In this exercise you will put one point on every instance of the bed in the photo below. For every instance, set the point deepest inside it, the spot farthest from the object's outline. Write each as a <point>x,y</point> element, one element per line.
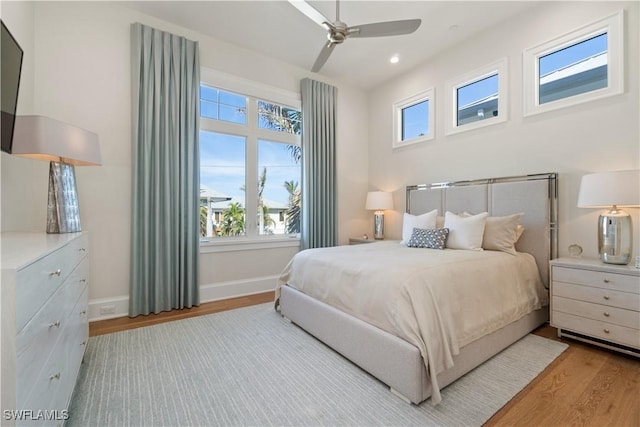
<point>398,312</point>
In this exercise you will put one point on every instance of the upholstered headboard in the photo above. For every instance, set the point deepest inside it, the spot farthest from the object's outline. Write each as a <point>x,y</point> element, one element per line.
<point>534,195</point>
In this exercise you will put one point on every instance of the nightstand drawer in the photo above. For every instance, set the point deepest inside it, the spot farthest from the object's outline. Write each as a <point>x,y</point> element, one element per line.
<point>607,297</point>
<point>617,316</point>
<point>600,279</point>
<point>606,331</point>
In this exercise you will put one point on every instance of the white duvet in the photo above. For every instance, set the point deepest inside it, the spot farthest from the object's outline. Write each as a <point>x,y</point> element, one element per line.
<point>437,300</point>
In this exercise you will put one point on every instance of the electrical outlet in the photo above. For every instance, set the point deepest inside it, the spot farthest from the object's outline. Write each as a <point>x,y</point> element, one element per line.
<point>108,309</point>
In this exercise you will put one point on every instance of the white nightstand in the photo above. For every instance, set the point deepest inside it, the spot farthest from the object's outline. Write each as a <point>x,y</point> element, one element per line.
<point>596,303</point>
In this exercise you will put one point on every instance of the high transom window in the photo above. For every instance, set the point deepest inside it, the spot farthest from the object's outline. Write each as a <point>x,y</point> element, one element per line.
<point>413,119</point>
<point>577,67</point>
<point>477,98</point>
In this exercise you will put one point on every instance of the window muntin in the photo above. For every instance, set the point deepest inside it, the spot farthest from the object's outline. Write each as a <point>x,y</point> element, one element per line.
<point>279,173</point>
<point>222,105</point>
<point>580,66</point>
<point>575,69</point>
<point>478,100</point>
<point>262,136</point>
<point>413,120</point>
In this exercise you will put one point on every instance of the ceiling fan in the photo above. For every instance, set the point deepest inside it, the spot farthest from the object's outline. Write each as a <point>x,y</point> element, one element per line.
<point>338,31</point>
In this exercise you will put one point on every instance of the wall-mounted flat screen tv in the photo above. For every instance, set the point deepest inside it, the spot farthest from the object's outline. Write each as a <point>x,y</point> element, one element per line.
<point>11,66</point>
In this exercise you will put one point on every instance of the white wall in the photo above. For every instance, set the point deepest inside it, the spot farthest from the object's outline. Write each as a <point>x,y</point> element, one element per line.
<point>82,76</point>
<point>23,196</point>
<point>597,136</point>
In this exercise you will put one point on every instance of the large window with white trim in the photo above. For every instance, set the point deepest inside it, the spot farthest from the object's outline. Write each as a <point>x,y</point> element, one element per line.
<point>250,165</point>
<point>580,66</point>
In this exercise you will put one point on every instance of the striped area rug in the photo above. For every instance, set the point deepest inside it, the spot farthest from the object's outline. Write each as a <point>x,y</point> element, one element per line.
<point>250,367</point>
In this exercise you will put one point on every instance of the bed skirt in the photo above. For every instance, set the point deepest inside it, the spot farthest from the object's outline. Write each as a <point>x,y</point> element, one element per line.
<point>392,360</point>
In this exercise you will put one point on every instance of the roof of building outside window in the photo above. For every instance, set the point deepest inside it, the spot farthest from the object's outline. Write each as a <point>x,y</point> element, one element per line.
<point>586,64</point>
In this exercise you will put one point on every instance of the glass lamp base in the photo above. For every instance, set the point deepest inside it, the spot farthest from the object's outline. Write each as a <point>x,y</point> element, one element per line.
<point>63,212</point>
<point>378,223</point>
<point>615,237</point>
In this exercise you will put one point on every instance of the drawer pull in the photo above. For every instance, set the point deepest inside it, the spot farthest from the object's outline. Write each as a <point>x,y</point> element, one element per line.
<point>83,280</point>
<point>83,343</point>
<point>56,324</point>
<point>606,297</point>
<point>55,377</point>
<point>82,250</point>
<point>606,280</point>
<point>606,314</point>
<point>606,331</point>
<point>83,312</point>
<point>58,272</point>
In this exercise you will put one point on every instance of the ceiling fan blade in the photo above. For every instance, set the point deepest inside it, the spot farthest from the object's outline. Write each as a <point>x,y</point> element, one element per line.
<point>324,55</point>
<point>390,28</point>
<point>309,11</point>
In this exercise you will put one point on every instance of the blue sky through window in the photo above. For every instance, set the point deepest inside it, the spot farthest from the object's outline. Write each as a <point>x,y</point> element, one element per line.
<point>477,90</point>
<point>222,160</point>
<point>415,120</point>
<point>572,54</point>
<point>222,163</point>
<point>222,105</point>
<point>276,157</point>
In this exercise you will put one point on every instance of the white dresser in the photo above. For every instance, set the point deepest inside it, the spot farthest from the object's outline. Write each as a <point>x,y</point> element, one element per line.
<point>597,303</point>
<point>44,324</point>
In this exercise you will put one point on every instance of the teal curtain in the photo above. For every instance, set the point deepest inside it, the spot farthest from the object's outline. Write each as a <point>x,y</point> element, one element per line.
<point>166,179</point>
<point>319,212</point>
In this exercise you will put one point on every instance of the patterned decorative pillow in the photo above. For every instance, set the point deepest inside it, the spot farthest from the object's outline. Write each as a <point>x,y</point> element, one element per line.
<point>431,238</point>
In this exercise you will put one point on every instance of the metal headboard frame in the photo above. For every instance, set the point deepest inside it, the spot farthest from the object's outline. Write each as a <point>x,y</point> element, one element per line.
<point>551,177</point>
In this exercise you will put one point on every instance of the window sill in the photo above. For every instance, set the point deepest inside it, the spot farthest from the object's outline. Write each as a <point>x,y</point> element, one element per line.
<point>247,244</point>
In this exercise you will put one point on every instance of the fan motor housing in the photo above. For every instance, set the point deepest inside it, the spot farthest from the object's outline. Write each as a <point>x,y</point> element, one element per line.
<point>337,32</point>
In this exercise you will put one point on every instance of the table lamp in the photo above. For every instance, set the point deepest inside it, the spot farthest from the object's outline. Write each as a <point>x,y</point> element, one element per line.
<point>612,190</point>
<point>378,201</point>
<point>65,146</point>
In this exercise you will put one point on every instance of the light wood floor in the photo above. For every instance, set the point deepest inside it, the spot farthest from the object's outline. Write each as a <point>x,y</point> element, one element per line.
<point>584,386</point>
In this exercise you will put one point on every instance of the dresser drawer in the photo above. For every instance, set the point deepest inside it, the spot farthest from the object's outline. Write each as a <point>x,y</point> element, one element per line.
<point>49,387</point>
<point>52,387</point>
<point>595,295</point>
<point>39,280</point>
<point>617,316</point>
<point>600,279</point>
<point>44,330</point>
<point>595,328</point>
<point>75,339</point>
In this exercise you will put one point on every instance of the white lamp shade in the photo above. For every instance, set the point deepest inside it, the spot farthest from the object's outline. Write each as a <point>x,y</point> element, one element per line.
<point>606,189</point>
<point>379,200</point>
<point>48,139</point>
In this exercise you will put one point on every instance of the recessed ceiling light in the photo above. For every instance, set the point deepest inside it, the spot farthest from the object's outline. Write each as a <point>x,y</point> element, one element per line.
<point>394,59</point>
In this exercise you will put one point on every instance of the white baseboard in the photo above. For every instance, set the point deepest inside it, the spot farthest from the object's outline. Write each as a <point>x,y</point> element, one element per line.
<point>119,306</point>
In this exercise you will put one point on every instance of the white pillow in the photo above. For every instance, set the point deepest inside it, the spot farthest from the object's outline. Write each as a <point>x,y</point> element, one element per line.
<point>500,233</point>
<point>465,232</point>
<point>409,222</point>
